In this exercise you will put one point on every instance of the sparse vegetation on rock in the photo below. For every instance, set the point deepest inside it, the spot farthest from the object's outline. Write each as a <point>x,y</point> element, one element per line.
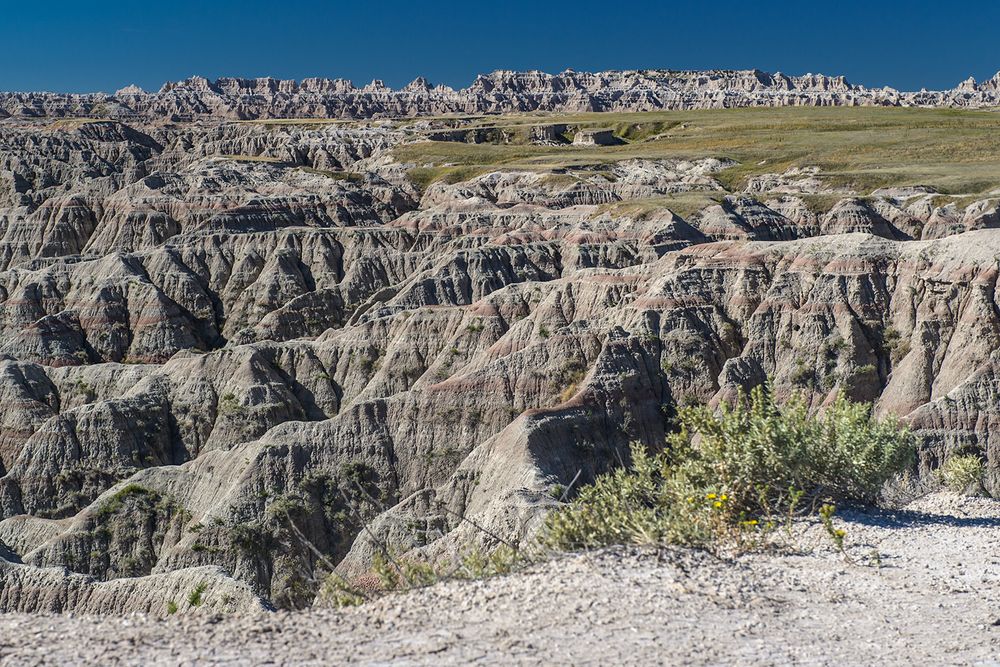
<point>226,319</point>
<point>963,474</point>
<point>722,478</point>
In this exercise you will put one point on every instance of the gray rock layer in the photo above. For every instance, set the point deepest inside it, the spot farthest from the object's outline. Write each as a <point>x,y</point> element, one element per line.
<point>262,350</point>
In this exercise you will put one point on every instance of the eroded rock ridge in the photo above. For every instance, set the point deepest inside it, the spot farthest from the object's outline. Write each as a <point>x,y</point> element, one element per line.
<point>226,348</point>
<point>498,92</point>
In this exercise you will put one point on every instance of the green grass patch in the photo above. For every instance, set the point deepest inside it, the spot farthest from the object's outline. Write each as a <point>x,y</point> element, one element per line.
<point>422,177</point>
<point>957,152</point>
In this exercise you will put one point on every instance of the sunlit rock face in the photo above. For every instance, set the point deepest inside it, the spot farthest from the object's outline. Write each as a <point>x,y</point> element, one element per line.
<point>210,330</point>
<point>498,92</point>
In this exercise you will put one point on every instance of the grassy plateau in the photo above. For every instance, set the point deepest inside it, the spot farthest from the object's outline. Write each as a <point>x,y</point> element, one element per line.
<point>862,148</point>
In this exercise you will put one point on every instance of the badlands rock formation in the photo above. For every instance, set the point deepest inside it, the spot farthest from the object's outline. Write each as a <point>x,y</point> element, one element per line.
<point>227,348</point>
<point>497,92</point>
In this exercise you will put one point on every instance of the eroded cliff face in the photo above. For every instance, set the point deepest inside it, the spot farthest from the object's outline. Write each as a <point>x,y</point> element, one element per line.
<point>225,349</point>
<point>498,92</point>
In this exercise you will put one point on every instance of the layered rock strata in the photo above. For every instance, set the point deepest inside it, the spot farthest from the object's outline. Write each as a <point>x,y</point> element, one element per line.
<point>235,357</point>
<point>497,92</point>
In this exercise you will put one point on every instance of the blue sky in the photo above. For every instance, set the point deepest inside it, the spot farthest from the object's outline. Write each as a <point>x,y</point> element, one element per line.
<point>94,45</point>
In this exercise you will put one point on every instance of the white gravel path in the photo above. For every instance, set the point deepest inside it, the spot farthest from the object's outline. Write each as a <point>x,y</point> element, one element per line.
<point>935,600</point>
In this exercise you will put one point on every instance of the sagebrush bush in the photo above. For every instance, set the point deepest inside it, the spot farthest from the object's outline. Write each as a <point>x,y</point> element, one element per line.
<point>962,474</point>
<point>727,475</point>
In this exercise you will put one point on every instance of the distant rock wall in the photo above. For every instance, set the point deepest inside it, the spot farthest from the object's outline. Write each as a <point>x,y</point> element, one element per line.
<point>498,92</point>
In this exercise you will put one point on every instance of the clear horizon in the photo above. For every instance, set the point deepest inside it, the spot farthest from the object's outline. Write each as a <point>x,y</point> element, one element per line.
<point>71,47</point>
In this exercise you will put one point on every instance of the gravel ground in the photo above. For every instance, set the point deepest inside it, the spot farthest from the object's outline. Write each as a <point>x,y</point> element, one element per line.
<point>931,597</point>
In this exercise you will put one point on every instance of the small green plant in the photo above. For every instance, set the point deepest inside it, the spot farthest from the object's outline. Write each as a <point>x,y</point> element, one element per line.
<point>171,607</point>
<point>803,375</point>
<point>477,564</point>
<point>230,404</point>
<point>895,345</point>
<point>962,474</point>
<point>340,593</point>
<point>86,391</point>
<point>867,369</point>
<point>195,596</point>
<point>791,511</point>
<point>567,379</point>
<point>117,501</point>
<point>837,535</point>
<point>370,362</point>
<point>403,574</point>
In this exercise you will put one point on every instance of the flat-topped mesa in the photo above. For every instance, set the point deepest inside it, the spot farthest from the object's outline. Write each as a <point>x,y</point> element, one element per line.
<point>501,91</point>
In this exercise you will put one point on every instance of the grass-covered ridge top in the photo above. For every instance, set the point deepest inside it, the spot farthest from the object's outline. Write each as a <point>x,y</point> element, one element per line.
<point>862,148</point>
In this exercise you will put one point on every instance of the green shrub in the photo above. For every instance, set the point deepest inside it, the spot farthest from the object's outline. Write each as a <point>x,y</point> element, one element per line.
<point>895,345</point>
<point>962,474</point>
<point>750,462</point>
<point>803,374</point>
<point>195,597</point>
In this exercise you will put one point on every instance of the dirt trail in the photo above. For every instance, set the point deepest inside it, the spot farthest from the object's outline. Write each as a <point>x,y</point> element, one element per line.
<point>934,599</point>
